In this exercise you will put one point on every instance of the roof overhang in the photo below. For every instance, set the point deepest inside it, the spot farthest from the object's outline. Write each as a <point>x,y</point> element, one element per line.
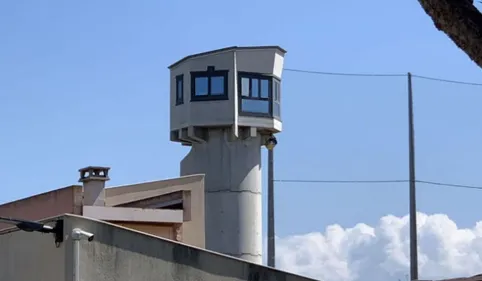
<point>228,49</point>
<point>124,214</point>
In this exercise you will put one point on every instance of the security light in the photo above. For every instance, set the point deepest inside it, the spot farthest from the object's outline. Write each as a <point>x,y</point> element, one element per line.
<point>31,226</point>
<point>271,142</point>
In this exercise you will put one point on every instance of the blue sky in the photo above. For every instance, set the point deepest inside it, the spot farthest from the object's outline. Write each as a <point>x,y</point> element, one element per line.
<point>86,83</point>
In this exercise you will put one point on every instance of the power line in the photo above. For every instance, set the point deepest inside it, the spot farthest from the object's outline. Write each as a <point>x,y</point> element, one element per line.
<point>379,182</point>
<point>341,181</point>
<point>381,75</point>
<point>450,184</point>
<point>345,74</point>
<point>446,80</point>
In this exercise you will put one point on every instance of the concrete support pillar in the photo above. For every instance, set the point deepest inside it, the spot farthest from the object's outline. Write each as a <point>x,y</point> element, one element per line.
<point>233,204</point>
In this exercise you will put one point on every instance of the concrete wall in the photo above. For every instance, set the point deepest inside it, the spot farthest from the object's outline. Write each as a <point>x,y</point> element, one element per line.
<point>201,113</point>
<point>233,207</point>
<point>31,256</point>
<point>161,230</point>
<point>121,254</point>
<point>261,61</point>
<point>193,227</point>
<point>45,205</point>
<point>221,113</point>
<point>69,200</point>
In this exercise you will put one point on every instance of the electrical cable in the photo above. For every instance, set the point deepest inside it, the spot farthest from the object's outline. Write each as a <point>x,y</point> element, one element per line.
<point>378,182</point>
<point>345,74</point>
<point>341,181</point>
<point>450,184</point>
<point>381,75</point>
<point>446,80</point>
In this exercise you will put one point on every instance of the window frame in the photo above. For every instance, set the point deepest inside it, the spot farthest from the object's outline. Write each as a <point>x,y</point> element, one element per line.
<point>269,99</point>
<point>211,72</point>
<point>180,99</point>
<point>278,82</point>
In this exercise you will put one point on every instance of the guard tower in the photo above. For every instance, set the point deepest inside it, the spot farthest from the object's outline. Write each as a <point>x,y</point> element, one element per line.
<point>225,104</point>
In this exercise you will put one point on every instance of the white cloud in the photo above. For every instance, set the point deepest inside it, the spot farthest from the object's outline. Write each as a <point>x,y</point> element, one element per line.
<point>381,253</point>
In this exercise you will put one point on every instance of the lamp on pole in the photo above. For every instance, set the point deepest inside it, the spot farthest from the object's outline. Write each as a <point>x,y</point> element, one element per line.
<point>271,142</point>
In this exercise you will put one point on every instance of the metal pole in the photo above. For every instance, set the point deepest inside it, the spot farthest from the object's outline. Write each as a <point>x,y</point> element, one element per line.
<point>271,232</point>
<point>412,196</point>
<point>76,261</point>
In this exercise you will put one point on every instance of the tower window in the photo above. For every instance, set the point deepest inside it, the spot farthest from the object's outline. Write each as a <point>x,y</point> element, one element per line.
<point>209,85</point>
<point>179,89</point>
<point>258,95</point>
<point>276,98</point>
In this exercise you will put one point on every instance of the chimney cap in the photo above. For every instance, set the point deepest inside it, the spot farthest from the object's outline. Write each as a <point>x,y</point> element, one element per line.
<point>94,173</point>
<point>94,167</point>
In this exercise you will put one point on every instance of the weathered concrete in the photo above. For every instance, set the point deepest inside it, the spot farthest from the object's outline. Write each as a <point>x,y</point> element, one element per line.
<point>192,188</point>
<point>120,254</point>
<point>44,205</point>
<point>226,128</point>
<point>69,200</point>
<point>28,256</point>
<point>233,208</point>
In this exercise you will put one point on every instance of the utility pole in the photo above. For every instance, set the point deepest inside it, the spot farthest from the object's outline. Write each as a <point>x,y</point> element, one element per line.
<point>271,225</point>
<point>412,192</point>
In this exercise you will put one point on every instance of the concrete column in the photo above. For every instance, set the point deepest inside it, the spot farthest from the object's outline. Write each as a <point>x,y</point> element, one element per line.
<point>232,192</point>
<point>93,180</point>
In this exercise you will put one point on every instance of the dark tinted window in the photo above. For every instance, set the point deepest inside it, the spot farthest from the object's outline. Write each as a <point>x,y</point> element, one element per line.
<point>276,99</point>
<point>255,106</point>
<point>217,85</point>
<point>245,87</point>
<point>209,85</point>
<point>264,88</point>
<point>179,89</point>
<point>259,95</point>
<point>201,86</point>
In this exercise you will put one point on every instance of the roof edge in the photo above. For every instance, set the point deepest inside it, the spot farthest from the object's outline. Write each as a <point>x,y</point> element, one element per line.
<point>288,275</point>
<point>188,177</point>
<point>232,48</point>
<point>40,194</point>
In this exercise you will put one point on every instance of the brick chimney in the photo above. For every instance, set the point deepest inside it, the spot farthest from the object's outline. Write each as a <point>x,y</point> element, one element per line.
<point>93,180</point>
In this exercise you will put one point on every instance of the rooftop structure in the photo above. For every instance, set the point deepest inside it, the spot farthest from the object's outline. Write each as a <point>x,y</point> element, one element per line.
<point>172,208</point>
<point>225,104</point>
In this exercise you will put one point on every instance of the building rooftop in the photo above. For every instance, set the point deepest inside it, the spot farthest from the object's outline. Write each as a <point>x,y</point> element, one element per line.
<point>171,208</point>
<point>477,277</point>
<point>227,49</point>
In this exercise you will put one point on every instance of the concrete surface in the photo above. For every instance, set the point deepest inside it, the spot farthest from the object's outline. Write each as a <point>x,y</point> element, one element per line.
<point>26,256</point>
<point>168,231</point>
<point>233,205</point>
<point>123,255</point>
<point>127,214</point>
<point>120,254</point>
<point>192,188</point>
<point>266,60</point>
<point>44,205</point>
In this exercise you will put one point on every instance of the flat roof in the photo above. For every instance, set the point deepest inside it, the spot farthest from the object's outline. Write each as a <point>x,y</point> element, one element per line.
<point>232,48</point>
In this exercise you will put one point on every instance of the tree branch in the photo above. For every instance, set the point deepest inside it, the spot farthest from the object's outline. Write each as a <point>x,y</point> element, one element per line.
<point>460,21</point>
